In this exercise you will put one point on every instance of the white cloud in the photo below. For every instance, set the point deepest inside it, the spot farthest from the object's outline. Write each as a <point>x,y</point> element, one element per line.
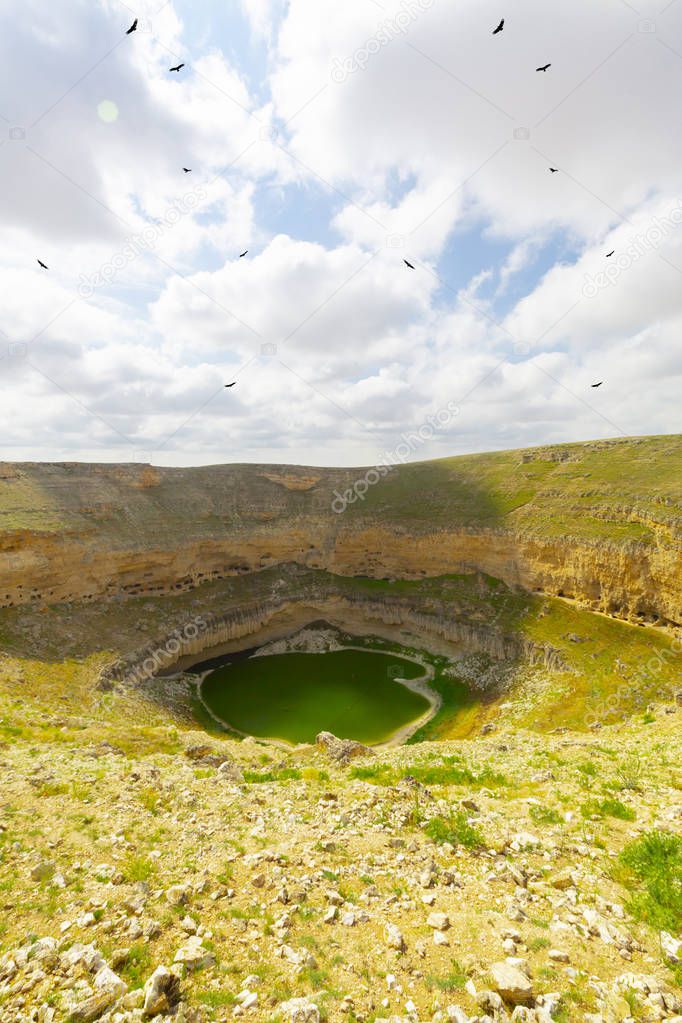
<point>411,154</point>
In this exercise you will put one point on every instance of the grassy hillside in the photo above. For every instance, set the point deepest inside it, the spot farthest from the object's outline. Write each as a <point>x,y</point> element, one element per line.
<point>621,490</point>
<point>617,490</point>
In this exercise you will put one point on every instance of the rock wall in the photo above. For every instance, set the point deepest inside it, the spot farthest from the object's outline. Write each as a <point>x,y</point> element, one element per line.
<point>208,633</point>
<point>628,581</point>
<point>77,532</point>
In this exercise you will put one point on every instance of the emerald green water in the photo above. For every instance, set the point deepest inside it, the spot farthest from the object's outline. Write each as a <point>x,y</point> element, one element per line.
<point>293,696</point>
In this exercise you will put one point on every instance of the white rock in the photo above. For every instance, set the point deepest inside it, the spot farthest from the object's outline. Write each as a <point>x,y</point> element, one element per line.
<point>107,980</point>
<point>511,983</point>
<point>439,921</point>
<point>300,1010</point>
<point>672,947</point>
<point>394,937</point>
<point>557,955</point>
<point>456,1014</point>
<point>193,955</point>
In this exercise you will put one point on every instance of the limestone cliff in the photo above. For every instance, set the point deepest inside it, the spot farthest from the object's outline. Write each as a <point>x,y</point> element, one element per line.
<point>601,523</point>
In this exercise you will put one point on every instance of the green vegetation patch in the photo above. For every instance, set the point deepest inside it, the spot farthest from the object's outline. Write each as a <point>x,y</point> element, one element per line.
<point>652,866</point>
<point>450,770</point>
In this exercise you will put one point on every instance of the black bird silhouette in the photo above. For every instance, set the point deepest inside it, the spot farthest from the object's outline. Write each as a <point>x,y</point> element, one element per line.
<point>232,384</point>
<point>599,384</point>
<point>408,264</point>
<point>499,27</point>
<point>554,170</point>
<point>187,170</point>
<point>242,254</point>
<point>609,254</point>
<point>133,27</point>
<point>44,265</point>
<point>543,68</point>
<point>177,68</point>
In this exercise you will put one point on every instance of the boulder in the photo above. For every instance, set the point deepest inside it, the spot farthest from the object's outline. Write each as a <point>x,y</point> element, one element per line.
<point>193,955</point>
<point>511,984</point>
<point>92,1008</point>
<point>341,750</point>
<point>161,992</point>
<point>107,980</point>
<point>672,947</point>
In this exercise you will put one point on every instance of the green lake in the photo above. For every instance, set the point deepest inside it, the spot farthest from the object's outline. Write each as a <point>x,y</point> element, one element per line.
<point>293,696</point>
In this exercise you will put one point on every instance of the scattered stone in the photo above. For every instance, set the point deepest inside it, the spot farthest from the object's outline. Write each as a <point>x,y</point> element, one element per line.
<point>300,1010</point>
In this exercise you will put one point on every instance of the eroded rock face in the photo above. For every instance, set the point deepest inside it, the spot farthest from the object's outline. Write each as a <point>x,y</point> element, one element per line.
<point>63,535</point>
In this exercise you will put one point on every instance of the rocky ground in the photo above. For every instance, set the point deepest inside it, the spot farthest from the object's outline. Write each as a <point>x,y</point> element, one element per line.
<point>517,876</point>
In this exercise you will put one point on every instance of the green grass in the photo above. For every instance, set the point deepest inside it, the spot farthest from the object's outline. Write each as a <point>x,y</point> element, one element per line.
<point>544,815</point>
<point>607,808</point>
<point>455,829</point>
<point>283,774</point>
<point>652,869</point>
<point>138,965</point>
<point>452,981</point>
<point>449,771</point>
<point>138,868</point>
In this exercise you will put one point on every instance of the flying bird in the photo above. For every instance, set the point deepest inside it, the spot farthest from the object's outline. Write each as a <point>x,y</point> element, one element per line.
<point>554,170</point>
<point>499,27</point>
<point>599,384</point>
<point>242,254</point>
<point>609,254</point>
<point>408,264</point>
<point>543,68</point>
<point>232,384</point>
<point>44,265</point>
<point>133,27</point>
<point>187,170</point>
<point>178,67</point>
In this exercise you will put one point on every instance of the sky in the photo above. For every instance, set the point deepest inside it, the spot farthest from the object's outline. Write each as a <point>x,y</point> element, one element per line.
<point>333,141</point>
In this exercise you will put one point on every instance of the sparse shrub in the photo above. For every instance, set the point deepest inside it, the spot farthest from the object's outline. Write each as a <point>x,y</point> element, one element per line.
<point>260,777</point>
<point>450,771</point>
<point>137,965</point>
<point>454,829</point>
<point>607,808</point>
<point>655,862</point>
<point>544,815</point>
<point>149,798</point>
<point>138,868</point>
<point>630,773</point>
<point>452,981</point>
